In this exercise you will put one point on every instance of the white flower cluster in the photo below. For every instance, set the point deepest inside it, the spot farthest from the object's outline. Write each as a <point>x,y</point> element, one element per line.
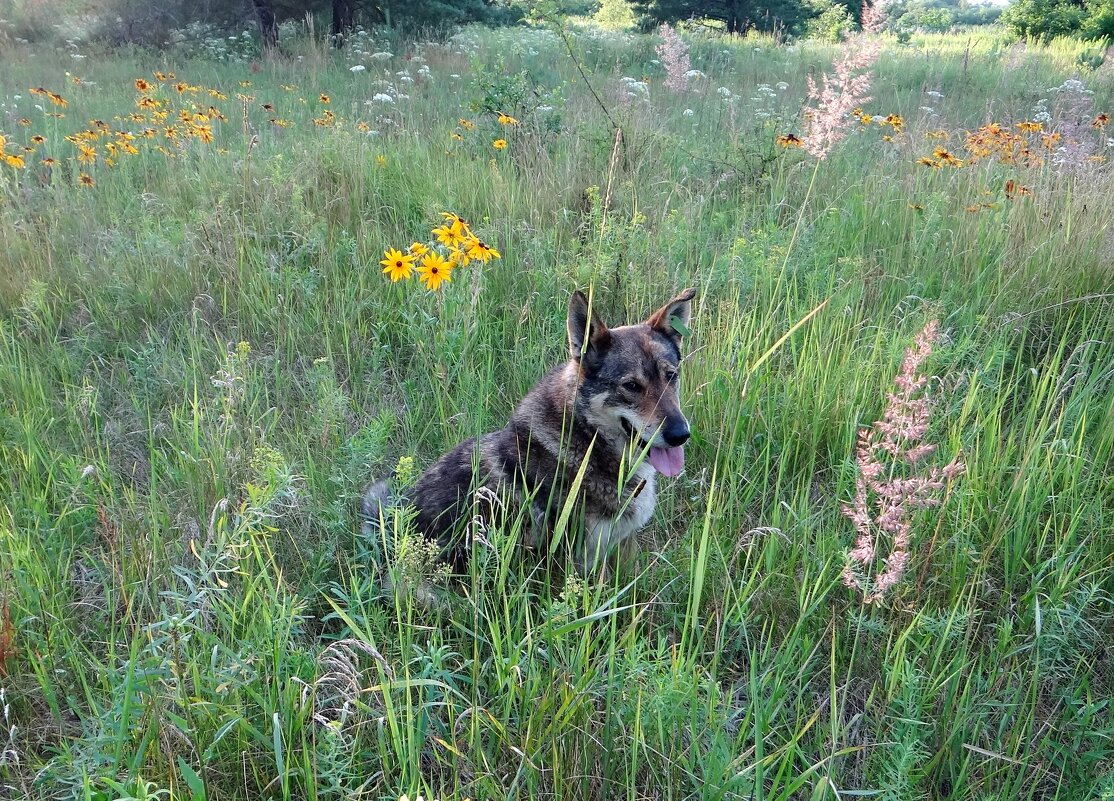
<point>633,89</point>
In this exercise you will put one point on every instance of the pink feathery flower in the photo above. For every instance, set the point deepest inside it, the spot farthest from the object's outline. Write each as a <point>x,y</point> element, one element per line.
<point>889,487</point>
<point>844,89</point>
<point>674,55</point>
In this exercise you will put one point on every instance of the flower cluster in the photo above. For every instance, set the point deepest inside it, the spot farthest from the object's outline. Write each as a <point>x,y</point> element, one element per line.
<point>465,127</point>
<point>454,245</point>
<point>168,116</point>
<point>895,122</point>
<point>891,484</point>
<point>1000,143</point>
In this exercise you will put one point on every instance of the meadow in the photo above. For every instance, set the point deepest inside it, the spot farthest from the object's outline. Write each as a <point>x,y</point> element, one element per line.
<point>202,365</point>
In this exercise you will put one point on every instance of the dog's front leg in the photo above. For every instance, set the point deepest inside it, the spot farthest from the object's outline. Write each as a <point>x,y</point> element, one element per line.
<point>593,552</point>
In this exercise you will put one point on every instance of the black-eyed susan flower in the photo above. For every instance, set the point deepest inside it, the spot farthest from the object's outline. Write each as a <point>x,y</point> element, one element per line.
<point>1051,140</point>
<point>507,119</point>
<point>245,84</point>
<point>499,144</point>
<point>467,124</point>
<point>434,271</point>
<point>1015,190</point>
<point>458,257</point>
<point>324,99</point>
<point>160,76</point>
<point>141,85</point>
<point>1028,126</point>
<point>946,157</point>
<point>26,123</point>
<point>57,99</point>
<point>452,234</point>
<point>1100,121</point>
<point>927,161</point>
<point>397,265</point>
<point>14,161</point>
<point>86,154</point>
<point>86,180</point>
<point>482,252</point>
<point>453,217</point>
<point>49,162</point>
<point>418,249</point>
<point>789,140</point>
<point>38,139</point>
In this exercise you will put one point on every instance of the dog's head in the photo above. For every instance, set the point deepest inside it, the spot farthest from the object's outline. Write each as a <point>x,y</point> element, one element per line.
<point>630,378</point>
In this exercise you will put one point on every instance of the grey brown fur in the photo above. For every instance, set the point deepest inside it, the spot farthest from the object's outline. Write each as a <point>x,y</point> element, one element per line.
<point>615,397</point>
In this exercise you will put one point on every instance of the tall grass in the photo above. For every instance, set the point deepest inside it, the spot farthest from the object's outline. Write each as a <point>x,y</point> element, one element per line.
<point>196,610</point>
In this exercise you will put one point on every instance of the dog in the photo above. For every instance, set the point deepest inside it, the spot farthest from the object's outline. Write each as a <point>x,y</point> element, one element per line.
<point>599,427</point>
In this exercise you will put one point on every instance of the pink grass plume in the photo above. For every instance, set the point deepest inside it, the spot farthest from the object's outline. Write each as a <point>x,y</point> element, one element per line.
<point>892,482</point>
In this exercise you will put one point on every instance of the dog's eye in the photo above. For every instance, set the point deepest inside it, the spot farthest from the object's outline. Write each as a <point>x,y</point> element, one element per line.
<point>671,376</point>
<point>632,386</point>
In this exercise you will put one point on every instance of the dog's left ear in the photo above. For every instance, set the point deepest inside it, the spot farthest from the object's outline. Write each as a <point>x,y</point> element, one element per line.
<point>589,337</point>
<point>673,318</point>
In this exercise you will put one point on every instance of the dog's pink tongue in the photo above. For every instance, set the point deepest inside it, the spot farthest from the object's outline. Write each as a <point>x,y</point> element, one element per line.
<point>668,461</point>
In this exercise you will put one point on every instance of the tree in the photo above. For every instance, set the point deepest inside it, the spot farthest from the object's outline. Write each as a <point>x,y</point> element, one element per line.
<point>344,19</point>
<point>268,26</point>
<point>1100,22</point>
<point>737,16</point>
<point>1044,19</point>
<point>615,15</point>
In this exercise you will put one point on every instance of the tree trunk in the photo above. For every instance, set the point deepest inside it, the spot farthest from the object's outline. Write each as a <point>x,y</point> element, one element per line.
<point>344,19</point>
<point>268,28</point>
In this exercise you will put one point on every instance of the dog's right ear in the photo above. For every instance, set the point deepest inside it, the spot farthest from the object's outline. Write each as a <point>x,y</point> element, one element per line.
<point>588,336</point>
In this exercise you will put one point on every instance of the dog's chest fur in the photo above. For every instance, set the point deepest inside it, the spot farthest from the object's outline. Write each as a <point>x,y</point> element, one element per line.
<point>604,533</point>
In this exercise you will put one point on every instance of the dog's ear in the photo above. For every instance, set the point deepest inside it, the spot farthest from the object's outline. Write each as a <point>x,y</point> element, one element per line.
<point>673,318</point>
<point>588,336</point>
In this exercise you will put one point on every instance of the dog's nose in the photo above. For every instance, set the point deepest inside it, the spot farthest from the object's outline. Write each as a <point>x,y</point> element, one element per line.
<point>676,435</point>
